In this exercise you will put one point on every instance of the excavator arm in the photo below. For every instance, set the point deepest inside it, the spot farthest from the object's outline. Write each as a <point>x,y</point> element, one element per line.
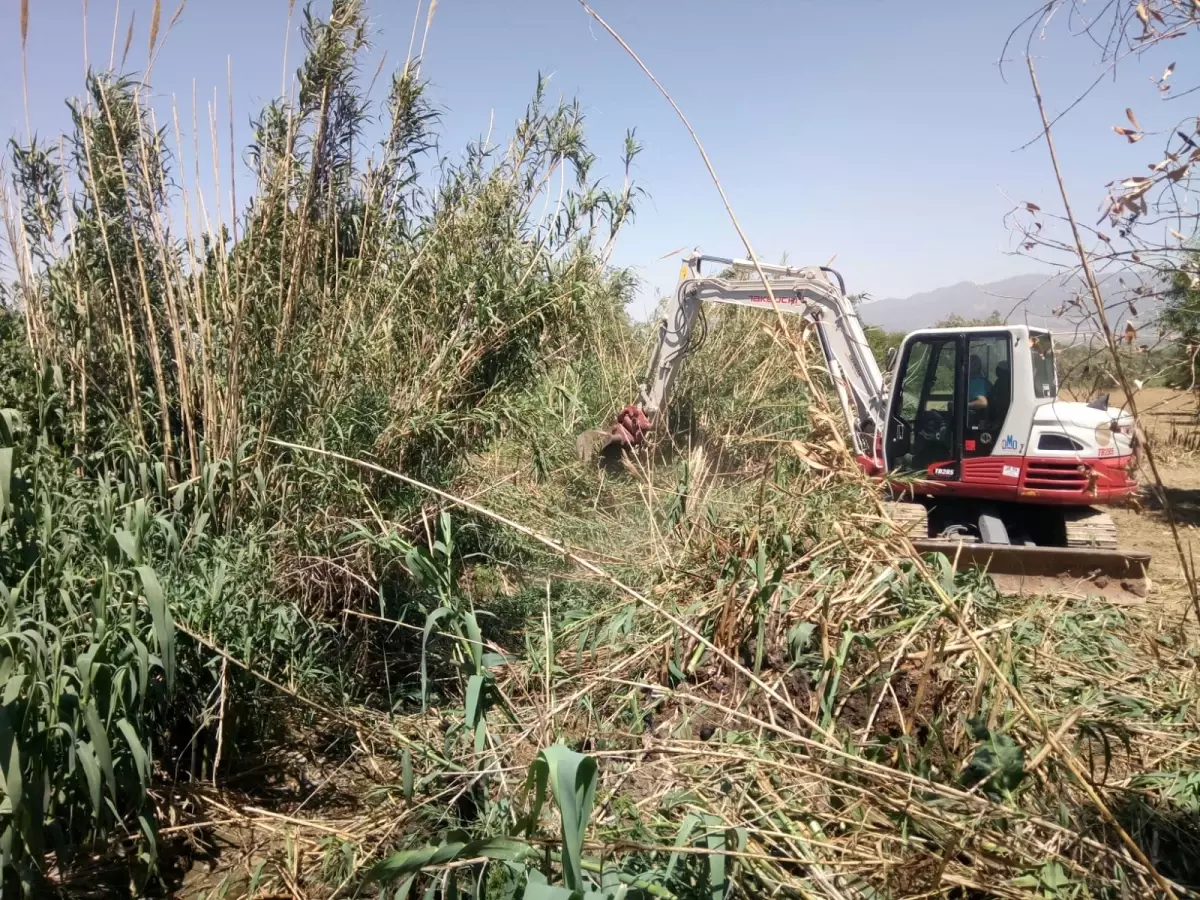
<point>817,294</point>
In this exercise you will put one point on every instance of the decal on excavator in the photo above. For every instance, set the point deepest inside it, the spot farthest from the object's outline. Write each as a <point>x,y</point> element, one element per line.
<point>779,298</point>
<point>1009,443</point>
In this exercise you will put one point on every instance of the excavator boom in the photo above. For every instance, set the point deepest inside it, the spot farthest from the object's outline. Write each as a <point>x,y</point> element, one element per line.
<point>814,293</point>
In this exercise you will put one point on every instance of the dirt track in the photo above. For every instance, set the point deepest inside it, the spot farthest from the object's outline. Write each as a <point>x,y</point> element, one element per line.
<point>1170,420</point>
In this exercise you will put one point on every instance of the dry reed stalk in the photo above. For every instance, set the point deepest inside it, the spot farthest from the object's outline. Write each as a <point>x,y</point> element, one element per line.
<point>147,307</point>
<point>1111,341</point>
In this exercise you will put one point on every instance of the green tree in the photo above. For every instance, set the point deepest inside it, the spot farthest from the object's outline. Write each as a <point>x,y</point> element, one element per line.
<point>1181,316</point>
<point>954,320</point>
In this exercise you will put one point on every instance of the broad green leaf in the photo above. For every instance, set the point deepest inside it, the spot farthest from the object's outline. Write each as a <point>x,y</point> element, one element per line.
<point>9,422</point>
<point>455,847</point>
<point>476,721</point>
<point>128,544</point>
<point>91,772</point>
<point>142,655</point>
<point>99,736</point>
<point>682,839</point>
<point>799,637</point>
<point>10,758</point>
<point>475,641</point>
<point>136,749</point>
<point>13,688</point>
<point>406,768</point>
<point>573,778</point>
<point>6,469</point>
<point>536,780</point>
<point>160,614</point>
<point>999,760</point>
<point>715,838</point>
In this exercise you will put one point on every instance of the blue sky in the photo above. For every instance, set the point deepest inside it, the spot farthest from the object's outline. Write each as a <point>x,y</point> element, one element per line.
<point>880,131</point>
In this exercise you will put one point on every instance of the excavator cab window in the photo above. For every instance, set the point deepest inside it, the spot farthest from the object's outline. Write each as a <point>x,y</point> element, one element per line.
<point>1045,374</point>
<point>989,391</point>
<point>924,424</point>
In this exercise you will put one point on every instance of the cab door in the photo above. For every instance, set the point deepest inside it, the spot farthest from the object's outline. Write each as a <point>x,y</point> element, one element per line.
<point>924,429</point>
<point>989,392</point>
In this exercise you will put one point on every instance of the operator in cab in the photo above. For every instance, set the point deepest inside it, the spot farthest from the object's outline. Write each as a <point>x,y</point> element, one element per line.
<point>978,386</point>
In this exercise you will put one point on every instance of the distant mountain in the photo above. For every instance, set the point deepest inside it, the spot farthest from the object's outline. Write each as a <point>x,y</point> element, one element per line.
<point>1029,299</point>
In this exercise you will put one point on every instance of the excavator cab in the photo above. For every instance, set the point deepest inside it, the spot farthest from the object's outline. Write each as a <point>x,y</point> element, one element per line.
<point>952,397</point>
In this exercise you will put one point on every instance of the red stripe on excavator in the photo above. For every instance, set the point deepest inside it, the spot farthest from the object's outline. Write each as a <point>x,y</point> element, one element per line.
<point>1040,479</point>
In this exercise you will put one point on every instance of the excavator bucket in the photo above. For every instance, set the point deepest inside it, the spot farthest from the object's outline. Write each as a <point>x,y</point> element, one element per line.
<point>629,430</point>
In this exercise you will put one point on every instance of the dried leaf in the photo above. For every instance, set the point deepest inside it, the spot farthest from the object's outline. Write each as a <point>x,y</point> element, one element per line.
<point>1167,73</point>
<point>1176,174</point>
<point>803,452</point>
<point>1130,333</point>
<point>1132,118</point>
<point>154,16</point>
<point>1159,166</point>
<point>1104,237</point>
<point>1177,235</point>
<point>175,16</point>
<point>1033,207</point>
<point>1143,14</point>
<point>128,38</point>
<point>1128,133</point>
<point>1135,181</point>
<point>1187,140</point>
<point>1135,257</point>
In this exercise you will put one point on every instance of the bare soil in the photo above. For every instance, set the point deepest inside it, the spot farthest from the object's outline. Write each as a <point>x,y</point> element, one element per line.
<point>1171,422</point>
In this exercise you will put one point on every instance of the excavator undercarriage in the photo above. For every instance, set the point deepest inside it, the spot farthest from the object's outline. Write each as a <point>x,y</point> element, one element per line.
<point>1088,550</point>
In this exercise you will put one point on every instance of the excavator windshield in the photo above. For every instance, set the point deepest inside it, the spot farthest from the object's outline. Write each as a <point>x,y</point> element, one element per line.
<point>1045,374</point>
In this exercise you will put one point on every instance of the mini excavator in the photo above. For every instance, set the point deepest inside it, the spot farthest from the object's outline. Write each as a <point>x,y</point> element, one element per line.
<point>995,468</point>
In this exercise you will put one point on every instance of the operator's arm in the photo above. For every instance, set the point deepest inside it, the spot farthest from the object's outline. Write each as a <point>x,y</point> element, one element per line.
<point>977,391</point>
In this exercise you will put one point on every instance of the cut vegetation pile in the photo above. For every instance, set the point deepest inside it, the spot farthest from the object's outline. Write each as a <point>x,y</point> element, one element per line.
<point>305,593</point>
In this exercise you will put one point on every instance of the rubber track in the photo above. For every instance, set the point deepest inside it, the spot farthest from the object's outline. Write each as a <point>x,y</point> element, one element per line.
<point>1092,528</point>
<point>910,518</point>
